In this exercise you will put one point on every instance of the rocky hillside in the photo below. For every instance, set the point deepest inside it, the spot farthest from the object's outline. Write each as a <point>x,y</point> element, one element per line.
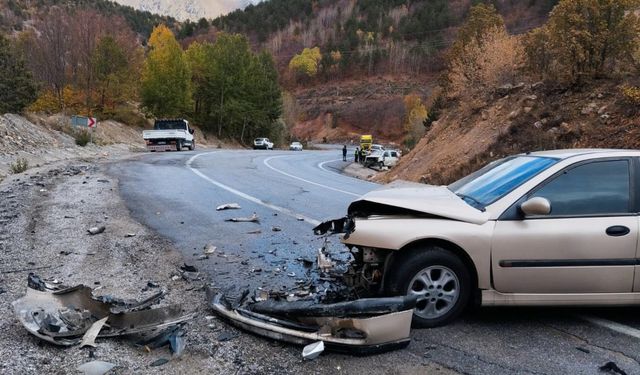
<point>187,9</point>
<point>344,110</point>
<point>527,117</point>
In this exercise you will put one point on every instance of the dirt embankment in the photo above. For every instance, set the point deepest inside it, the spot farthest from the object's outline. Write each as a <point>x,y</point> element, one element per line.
<point>527,118</point>
<point>42,139</point>
<point>344,110</point>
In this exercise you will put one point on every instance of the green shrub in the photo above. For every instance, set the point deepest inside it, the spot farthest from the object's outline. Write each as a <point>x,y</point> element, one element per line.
<point>19,166</point>
<point>631,95</point>
<point>82,137</point>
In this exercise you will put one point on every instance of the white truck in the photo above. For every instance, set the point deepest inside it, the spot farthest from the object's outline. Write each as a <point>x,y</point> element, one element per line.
<point>169,135</point>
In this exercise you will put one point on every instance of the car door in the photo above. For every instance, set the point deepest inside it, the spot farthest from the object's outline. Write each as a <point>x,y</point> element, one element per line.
<point>587,244</point>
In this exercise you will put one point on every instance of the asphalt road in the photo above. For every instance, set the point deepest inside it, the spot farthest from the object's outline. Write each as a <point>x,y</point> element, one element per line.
<point>176,194</point>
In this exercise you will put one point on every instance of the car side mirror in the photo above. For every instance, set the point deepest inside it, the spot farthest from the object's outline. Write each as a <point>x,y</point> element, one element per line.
<point>192,131</point>
<point>536,206</point>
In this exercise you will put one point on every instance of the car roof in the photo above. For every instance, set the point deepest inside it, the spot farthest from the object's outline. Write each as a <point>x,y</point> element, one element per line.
<point>569,153</point>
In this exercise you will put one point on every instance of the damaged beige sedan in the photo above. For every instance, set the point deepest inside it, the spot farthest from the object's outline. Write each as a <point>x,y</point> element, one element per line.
<point>545,228</point>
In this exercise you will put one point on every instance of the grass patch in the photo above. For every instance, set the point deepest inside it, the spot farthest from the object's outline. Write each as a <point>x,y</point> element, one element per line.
<point>127,116</point>
<point>19,166</point>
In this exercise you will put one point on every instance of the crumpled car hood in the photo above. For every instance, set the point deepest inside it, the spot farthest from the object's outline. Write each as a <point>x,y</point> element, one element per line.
<point>426,199</point>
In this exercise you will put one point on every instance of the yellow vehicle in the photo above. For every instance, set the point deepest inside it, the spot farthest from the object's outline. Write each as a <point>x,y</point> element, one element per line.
<point>365,142</point>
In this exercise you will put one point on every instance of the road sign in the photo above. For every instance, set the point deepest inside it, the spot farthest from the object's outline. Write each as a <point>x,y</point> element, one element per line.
<point>81,121</point>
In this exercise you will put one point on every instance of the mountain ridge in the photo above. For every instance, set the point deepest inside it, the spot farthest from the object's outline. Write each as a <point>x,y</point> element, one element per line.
<point>187,9</point>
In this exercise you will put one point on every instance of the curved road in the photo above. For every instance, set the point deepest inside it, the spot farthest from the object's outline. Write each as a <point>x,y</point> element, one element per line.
<point>176,194</point>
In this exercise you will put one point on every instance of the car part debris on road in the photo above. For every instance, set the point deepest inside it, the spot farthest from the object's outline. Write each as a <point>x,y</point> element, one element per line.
<point>251,219</point>
<point>612,368</point>
<point>95,367</point>
<point>228,206</point>
<point>209,249</point>
<point>89,338</point>
<point>69,315</point>
<point>96,230</point>
<point>361,327</point>
<point>313,351</point>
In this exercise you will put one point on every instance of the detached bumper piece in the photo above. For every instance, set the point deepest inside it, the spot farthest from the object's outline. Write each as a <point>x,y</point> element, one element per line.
<point>62,315</point>
<point>361,327</point>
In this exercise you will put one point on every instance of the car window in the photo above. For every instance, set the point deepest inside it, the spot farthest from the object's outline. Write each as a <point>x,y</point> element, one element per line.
<point>591,189</point>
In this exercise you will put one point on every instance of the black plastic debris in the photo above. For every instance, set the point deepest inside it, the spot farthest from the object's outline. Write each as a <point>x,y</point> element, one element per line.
<point>173,336</point>
<point>344,225</point>
<point>226,336</point>
<point>188,268</point>
<point>159,362</point>
<point>361,307</point>
<point>612,368</point>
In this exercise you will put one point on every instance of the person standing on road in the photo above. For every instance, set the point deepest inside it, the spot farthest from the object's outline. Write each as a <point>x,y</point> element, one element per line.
<point>344,153</point>
<point>356,155</point>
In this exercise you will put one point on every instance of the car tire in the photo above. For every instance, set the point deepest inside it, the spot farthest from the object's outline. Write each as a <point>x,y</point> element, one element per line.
<point>179,146</point>
<point>438,277</point>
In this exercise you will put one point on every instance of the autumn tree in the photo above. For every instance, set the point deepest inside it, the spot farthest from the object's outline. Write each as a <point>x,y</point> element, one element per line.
<point>583,38</point>
<point>306,63</point>
<point>114,73</point>
<point>47,52</point>
<point>484,57</point>
<point>166,77</point>
<point>484,64</point>
<point>17,87</point>
<point>482,18</point>
<point>415,115</point>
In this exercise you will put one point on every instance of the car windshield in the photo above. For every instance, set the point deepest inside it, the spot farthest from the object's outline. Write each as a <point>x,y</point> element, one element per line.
<point>499,178</point>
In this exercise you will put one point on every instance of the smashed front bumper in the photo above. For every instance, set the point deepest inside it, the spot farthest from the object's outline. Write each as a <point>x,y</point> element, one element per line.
<point>361,327</point>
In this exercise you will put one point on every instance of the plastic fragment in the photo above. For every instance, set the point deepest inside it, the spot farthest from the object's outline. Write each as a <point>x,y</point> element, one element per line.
<point>313,351</point>
<point>95,367</point>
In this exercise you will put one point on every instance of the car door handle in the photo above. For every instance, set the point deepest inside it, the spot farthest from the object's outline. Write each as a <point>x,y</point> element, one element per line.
<point>618,231</point>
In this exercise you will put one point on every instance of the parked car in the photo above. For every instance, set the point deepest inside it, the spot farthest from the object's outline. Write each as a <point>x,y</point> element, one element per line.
<point>262,143</point>
<point>382,158</point>
<point>295,146</point>
<point>546,228</point>
<point>169,135</point>
<point>376,147</point>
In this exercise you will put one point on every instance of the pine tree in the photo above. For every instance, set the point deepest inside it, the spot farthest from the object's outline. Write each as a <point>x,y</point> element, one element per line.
<point>17,87</point>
